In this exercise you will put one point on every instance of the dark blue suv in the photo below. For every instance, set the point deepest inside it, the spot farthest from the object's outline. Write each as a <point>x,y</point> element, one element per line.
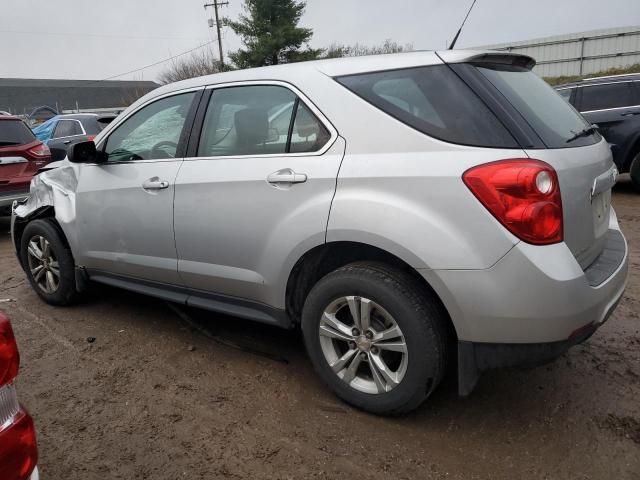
<point>613,103</point>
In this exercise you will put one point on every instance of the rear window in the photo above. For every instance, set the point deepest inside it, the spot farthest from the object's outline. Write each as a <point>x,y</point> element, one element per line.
<point>15,132</point>
<point>609,95</point>
<point>433,100</point>
<point>552,118</point>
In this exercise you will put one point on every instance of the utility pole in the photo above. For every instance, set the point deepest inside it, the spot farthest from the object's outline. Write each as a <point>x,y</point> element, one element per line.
<point>215,4</point>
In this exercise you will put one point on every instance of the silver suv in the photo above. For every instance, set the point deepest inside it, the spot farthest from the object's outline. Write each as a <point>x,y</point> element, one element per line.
<point>406,211</point>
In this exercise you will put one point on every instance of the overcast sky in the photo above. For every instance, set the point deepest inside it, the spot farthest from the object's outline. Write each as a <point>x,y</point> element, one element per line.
<point>94,39</point>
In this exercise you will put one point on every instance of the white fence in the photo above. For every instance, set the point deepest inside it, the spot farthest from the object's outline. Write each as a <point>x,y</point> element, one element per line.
<point>580,53</point>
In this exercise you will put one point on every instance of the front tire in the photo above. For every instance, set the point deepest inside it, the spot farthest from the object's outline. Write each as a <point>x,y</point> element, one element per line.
<point>375,337</point>
<point>48,262</point>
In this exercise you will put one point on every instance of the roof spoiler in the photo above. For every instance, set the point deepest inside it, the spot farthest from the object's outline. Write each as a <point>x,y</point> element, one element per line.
<point>502,58</point>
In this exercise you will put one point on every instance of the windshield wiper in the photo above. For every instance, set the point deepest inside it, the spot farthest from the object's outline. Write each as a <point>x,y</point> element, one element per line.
<point>583,133</point>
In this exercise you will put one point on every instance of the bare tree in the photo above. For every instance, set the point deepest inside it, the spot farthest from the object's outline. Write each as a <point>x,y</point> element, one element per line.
<point>337,50</point>
<point>197,64</point>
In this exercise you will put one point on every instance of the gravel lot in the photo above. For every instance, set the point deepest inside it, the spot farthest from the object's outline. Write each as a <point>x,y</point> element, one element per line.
<point>165,394</point>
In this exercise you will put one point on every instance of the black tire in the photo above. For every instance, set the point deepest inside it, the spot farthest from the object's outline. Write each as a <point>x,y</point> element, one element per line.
<point>634,170</point>
<point>420,317</point>
<point>65,293</point>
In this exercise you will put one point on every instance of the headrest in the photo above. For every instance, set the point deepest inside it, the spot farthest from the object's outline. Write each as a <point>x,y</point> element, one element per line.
<point>252,126</point>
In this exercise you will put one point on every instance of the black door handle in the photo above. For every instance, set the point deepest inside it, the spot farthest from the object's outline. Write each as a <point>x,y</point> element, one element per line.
<point>630,114</point>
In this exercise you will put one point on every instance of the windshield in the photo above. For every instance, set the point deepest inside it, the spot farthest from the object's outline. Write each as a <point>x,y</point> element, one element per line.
<point>556,122</point>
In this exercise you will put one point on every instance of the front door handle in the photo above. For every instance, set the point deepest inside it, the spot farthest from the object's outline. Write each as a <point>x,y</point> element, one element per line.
<point>286,175</point>
<point>155,184</point>
<point>629,114</point>
<point>67,142</point>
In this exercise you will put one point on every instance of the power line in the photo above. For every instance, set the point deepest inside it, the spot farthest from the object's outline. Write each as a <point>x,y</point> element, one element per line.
<point>157,63</point>
<point>93,82</point>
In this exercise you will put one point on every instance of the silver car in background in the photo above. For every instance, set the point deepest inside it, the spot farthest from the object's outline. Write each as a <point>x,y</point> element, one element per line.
<point>406,211</point>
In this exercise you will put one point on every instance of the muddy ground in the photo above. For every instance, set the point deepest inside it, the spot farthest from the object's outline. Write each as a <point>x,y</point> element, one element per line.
<point>155,398</point>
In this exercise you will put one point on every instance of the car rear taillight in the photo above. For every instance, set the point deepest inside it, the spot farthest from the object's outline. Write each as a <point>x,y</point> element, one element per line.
<point>18,450</point>
<point>40,151</point>
<point>523,194</point>
<point>9,356</point>
<point>91,137</point>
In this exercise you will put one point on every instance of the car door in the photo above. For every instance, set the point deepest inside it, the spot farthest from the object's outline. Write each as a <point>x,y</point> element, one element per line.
<point>66,130</point>
<point>611,106</point>
<point>255,191</point>
<point>125,204</point>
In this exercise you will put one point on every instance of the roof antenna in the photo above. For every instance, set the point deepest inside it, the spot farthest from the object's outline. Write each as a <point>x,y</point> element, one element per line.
<point>455,39</point>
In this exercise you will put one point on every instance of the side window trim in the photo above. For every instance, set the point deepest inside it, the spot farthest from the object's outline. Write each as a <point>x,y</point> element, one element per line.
<point>184,134</point>
<point>198,125</point>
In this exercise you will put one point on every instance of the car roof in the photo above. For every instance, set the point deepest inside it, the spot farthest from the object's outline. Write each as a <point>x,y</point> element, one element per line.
<point>342,66</point>
<point>625,77</point>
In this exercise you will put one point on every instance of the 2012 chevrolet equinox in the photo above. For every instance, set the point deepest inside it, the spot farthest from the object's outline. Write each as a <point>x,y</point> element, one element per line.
<point>405,210</point>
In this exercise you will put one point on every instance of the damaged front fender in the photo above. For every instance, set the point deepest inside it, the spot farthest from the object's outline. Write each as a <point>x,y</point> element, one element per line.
<point>51,191</point>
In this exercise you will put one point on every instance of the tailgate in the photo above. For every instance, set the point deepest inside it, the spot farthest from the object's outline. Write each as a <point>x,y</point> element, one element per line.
<point>586,175</point>
<point>16,169</point>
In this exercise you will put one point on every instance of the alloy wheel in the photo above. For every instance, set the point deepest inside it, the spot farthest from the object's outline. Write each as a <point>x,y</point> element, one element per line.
<point>363,344</point>
<point>43,264</point>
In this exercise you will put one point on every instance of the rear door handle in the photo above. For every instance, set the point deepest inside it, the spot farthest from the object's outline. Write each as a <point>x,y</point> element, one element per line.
<point>155,184</point>
<point>67,142</point>
<point>630,114</point>
<point>286,175</point>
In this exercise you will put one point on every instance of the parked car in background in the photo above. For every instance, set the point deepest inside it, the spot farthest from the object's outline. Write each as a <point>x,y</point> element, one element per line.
<point>409,212</point>
<point>18,450</point>
<point>21,156</point>
<point>61,130</point>
<point>612,103</point>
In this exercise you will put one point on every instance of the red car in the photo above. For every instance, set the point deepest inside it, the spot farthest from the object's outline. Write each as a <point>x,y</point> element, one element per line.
<point>18,451</point>
<point>21,156</point>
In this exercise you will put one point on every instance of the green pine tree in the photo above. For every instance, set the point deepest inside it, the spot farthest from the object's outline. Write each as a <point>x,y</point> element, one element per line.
<point>271,34</point>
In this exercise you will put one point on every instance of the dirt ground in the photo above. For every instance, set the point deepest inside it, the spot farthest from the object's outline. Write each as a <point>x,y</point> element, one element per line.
<point>159,395</point>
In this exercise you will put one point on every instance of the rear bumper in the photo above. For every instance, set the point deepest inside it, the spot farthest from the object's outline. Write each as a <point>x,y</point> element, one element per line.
<point>474,358</point>
<point>7,199</point>
<point>532,305</point>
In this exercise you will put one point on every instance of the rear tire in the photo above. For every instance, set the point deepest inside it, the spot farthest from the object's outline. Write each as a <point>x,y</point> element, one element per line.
<point>634,170</point>
<point>392,375</point>
<point>48,262</point>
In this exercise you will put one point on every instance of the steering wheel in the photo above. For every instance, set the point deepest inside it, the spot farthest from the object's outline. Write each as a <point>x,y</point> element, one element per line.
<point>160,148</point>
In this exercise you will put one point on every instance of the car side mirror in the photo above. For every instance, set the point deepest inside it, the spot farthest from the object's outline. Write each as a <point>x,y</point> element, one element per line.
<point>84,151</point>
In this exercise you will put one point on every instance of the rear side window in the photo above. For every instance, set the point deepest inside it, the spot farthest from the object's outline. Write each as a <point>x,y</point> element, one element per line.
<point>433,100</point>
<point>308,134</point>
<point>15,132</point>
<point>610,95</point>
<point>259,120</point>
<point>555,121</point>
<point>67,128</point>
